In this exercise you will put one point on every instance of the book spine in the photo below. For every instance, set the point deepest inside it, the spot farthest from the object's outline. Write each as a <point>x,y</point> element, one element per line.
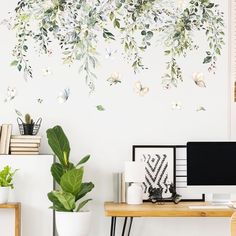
<point>25,137</point>
<point>24,153</point>
<point>8,138</point>
<point>120,188</point>
<point>24,145</point>
<point>115,187</point>
<point>3,139</point>
<point>123,188</point>
<point>25,141</point>
<point>23,149</point>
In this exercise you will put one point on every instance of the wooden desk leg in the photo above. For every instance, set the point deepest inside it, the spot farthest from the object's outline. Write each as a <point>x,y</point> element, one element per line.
<point>18,220</point>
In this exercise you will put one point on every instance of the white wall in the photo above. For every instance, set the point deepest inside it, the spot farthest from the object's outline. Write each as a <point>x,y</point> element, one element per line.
<point>129,119</point>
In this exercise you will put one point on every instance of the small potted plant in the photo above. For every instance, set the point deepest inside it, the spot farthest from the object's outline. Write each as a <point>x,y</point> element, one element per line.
<point>6,177</point>
<point>28,126</point>
<point>68,199</point>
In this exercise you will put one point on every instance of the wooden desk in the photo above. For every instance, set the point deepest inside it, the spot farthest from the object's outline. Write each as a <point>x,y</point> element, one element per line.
<point>17,207</point>
<point>182,209</point>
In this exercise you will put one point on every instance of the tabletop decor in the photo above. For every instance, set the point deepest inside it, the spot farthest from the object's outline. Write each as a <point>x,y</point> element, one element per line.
<point>68,199</point>
<point>6,183</point>
<point>28,126</point>
<point>159,169</point>
<point>135,175</point>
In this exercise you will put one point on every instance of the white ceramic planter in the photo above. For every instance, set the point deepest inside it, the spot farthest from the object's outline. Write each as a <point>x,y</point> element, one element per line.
<point>4,193</point>
<point>73,223</point>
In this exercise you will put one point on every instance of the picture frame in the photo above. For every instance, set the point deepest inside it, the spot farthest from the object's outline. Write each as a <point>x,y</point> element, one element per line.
<point>181,176</point>
<point>159,168</point>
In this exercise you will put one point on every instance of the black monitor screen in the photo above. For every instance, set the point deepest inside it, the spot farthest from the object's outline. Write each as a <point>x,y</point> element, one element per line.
<point>211,163</point>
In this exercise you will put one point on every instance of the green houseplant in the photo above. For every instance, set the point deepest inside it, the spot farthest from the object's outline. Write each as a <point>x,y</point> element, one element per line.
<point>6,178</point>
<point>68,199</point>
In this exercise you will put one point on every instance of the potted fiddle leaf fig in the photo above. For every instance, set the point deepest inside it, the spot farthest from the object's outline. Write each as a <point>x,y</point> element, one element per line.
<point>6,178</point>
<point>69,197</point>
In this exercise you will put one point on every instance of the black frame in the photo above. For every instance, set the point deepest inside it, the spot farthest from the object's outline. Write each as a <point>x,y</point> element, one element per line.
<point>175,147</point>
<point>174,162</point>
<point>188,200</point>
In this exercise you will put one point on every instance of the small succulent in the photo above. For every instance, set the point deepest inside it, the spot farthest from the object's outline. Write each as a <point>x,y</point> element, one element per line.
<point>28,119</point>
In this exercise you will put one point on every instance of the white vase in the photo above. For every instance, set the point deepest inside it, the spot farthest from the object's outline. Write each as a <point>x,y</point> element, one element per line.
<point>4,193</point>
<point>73,223</point>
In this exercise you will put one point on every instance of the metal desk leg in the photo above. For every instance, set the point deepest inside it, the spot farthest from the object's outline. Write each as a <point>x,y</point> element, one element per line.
<point>113,226</point>
<point>124,227</point>
<point>130,225</point>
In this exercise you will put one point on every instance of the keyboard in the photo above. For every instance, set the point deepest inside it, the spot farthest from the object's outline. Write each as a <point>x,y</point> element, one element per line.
<point>208,207</point>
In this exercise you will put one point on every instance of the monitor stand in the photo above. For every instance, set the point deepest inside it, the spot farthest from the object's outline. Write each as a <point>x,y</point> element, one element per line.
<point>221,199</point>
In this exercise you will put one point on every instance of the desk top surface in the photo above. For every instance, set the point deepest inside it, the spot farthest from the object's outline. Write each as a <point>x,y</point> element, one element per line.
<point>165,210</point>
<point>10,205</point>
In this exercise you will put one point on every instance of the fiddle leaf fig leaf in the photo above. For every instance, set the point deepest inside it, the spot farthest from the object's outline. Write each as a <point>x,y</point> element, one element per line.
<point>71,181</point>
<point>83,160</point>
<point>59,143</point>
<point>82,204</point>
<point>63,200</point>
<point>85,188</point>
<point>57,172</point>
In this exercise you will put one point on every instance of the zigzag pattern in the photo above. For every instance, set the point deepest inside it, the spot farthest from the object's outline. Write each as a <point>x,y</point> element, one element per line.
<point>156,167</point>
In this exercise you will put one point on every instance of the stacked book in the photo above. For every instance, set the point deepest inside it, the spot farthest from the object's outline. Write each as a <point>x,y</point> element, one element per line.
<point>119,188</point>
<point>5,136</point>
<point>25,144</point>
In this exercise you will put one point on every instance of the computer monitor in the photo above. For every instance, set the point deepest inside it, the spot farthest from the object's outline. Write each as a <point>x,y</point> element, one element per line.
<point>211,168</point>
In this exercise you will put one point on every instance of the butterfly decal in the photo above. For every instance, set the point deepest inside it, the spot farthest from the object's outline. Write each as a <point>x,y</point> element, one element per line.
<point>7,22</point>
<point>11,94</point>
<point>46,71</point>
<point>140,89</point>
<point>40,100</point>
<point>199,80</point>
<point>200,108</point>
<point>63,96</point>
<point>114,79</point>
<point>110,53</point>
<point>177,105</point>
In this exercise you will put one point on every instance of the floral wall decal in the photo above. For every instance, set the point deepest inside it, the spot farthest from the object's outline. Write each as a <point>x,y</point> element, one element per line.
<point>177,105</point>
<point>100,108</point>
<point>78,26</point>
<point>199,80</point>
<point>114,79</point>
<point>63,96</point>
<point>140,89</point>
<point>10,94</point>
<point>200,108</point>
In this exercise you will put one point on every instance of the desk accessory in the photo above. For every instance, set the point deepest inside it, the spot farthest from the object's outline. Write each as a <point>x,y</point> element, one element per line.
<point>156,195</point>
<point>159,164</point>
<point>134,174</point>
<point>28,126</point>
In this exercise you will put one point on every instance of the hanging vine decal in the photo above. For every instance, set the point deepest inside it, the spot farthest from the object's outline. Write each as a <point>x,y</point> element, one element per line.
<point>78,25</point>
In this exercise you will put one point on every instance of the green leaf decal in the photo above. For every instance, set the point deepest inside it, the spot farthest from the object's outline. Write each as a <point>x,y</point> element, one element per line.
<point>100,108</point>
